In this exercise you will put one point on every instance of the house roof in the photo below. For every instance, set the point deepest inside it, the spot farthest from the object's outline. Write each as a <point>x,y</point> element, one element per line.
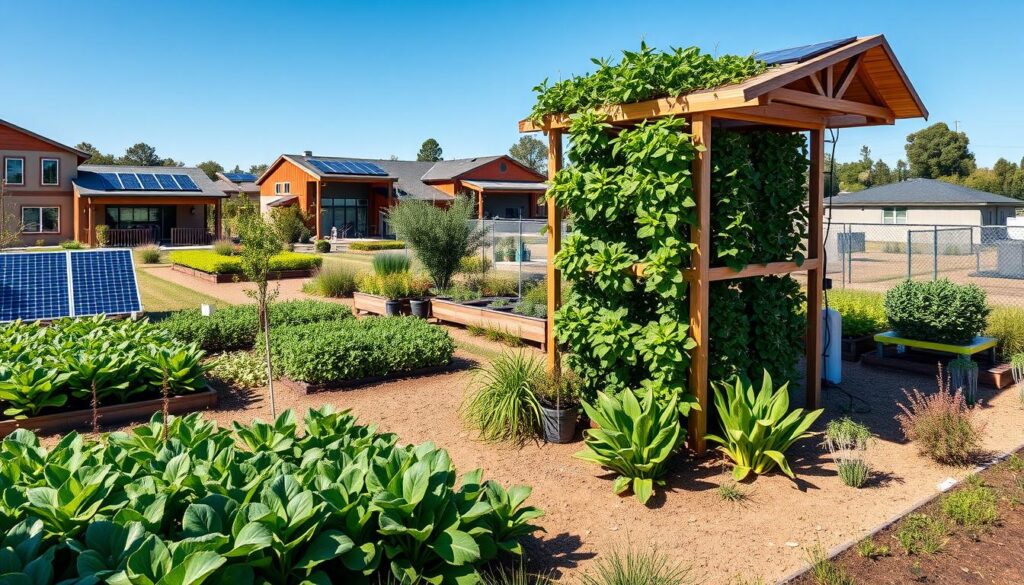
<point>89,183</point>
<point>525,186</point>
<point>445,170</point>
<point>228,186</point>
<point>82,155</point>
<point>923,193</point>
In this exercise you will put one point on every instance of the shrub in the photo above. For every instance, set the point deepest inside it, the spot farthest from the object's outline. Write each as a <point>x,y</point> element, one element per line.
<point>459,293</point>
<point>758,426</point>
<point>441,237</point>
<point>40,242</point>
<point>223,247</point>
<point>973,507</point>
<point>323,246</point>
<point>939,310</point>
<point>399,285</point>
<point>503,404</point>
<point>632,567</point>
<point>474,264</point>
<point>941,424</point>
<point>385,264</point>
<point>635,438</point>
<point>102,235</point>
<point>494,285</point>
<point>377,245</point>
<point>922,534</point>
<point>71,245</point>
<point>235,327</point>
<point>262,503</point>
<point>863,313</point>
<point>1007,325</point>
<point>210,261</point>
<point>242,369</point>
<point>847,441</point>
<point>148,254</point>
<point>332,281</point>
<point>289,223</point>
<point>339,351</point>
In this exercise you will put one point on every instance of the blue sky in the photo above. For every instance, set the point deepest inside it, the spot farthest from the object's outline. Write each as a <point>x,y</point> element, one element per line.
<point>241,82</point>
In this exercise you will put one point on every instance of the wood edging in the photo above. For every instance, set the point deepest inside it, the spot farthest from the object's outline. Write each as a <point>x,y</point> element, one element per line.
<point>854,347</point>
<point>917,505</point>
<point>60,422</point>
<point>309,388</point>
<point>460,314</point>
<point>220,278</point>
<point>998,376</point>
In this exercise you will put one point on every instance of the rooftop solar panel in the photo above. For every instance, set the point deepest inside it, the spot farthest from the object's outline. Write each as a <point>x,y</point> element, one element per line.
<point>130,181</point>
<point>112,180</point>
<point>149,182</point>
<point>167,182</point>
<point>186,183</point>
<point>241,177</point>
<point>347,167</point>
<point>320,166</point>
<point>103,283</point>
<point>801,54</point>
<point>34,286</point>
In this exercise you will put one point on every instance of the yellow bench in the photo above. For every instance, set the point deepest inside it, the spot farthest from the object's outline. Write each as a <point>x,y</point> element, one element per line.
<point>977,345</point>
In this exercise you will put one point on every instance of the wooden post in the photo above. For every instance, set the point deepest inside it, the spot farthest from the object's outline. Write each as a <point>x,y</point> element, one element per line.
<point>480,204</point>
<point>390,203</point>
<point>700,261</point>
<point>815,250</point>
<point>218,220</point>
<point>316,218</point>
<point>554,245</point>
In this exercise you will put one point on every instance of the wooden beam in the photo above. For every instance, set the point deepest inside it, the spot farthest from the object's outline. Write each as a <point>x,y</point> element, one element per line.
<point>815,249</point>
<point>783,115</point>
<point>846,78</point>
<point>702,101</point>
<point>829,84</point>
<point>700,262</point>
<point>554,245</point>
<point>816,83</point>
<point>785,75</point>
<point>800,98</point>
<point>770,269</point>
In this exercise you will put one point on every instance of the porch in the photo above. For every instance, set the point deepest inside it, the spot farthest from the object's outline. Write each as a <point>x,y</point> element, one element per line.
<point>507,199</point>
<point>191,221</point>
<point>352,207</point>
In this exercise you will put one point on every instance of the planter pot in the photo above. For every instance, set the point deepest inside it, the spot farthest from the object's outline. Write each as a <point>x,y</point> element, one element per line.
<point>420,308</point>
<point>392,308</point>
<point>559,424</point>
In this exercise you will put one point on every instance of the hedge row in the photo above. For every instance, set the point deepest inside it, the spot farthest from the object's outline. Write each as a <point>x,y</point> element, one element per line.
<point>214,263</point>
<point>375,245</point>
<point>235,327</point>
<point>338,351</point>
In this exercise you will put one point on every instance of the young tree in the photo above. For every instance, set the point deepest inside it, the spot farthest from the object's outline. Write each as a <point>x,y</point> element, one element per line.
<point>259,244</point>
<point>430,151</point>
<point>938,151</point>
<point>211,168</point>
<point>902,171</point>
<point>440,237</point>
<point>233,209</point>
<point>258,169</point>
<point>531,152</point>
<point>10,223</point>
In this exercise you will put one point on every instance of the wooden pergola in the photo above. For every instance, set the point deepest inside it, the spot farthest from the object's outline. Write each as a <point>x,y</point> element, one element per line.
<point>858,83</point>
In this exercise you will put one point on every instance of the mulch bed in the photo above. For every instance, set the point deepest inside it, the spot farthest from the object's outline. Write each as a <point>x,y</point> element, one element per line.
<point>993,556</point>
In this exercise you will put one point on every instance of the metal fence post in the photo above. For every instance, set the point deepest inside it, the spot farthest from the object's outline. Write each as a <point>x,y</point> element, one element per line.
<point>977,249</point>
<point>910,247</point>
<point>935,253</point>
<point>520,253</point>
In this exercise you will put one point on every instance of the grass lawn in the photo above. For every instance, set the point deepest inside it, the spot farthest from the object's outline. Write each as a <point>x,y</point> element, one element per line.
<point>159,295</point>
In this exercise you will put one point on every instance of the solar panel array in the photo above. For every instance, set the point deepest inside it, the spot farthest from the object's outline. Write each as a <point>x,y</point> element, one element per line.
<point>801,54</point>
<point>148,182</point>
<point>51,285</point>
<point>241,177</point>
<point>347,167</point>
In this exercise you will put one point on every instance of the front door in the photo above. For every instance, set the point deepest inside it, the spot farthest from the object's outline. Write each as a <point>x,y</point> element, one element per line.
<point>347,215</point>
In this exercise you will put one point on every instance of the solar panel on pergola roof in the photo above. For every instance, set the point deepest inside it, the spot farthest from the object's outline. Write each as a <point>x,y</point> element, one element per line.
<point>347,167</point>
<point>802,53</point>
<point>49,285</point>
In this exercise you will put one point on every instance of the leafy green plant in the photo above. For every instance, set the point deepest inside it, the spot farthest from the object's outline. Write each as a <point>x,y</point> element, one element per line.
<point>322,246</point>
<point>941,424</point>
<point>210,261</point>
<point>1006,324</point>
<point>939,311</point>
<point>28,389</point>
<point>824,571</point>
<point>863,312</point>
<point>72,245</point>
<point>922,534</point>
<point>973,507</point>
<point>386,264</point>
<point>242,369</point>
<point>869,549</point>
<point>102,235</point>
<point>632,567</point>
<point>731,492</point>
<point>757,426</point>
<point>635,438</point>
<point>503,404</point>
<point>440,237</point>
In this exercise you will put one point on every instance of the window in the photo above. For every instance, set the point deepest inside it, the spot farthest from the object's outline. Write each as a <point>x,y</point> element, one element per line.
<point>49,171</point>
<point>502,166</point>
<point>14,171</point>
<point>894,215</point>
<point>283,188</point>
<point>40,220</point>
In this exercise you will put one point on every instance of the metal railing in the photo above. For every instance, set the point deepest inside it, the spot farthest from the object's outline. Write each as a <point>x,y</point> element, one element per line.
<point>191,237</point>
<point>131,237</point>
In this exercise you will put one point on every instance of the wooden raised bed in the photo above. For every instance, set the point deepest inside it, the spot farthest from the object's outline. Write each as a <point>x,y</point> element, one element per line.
<point>925,362</point>
<point>219,278</point>
<point>527,328</point>
<point>373,304</point>
<point>854,347</point>
<point>61,422</point>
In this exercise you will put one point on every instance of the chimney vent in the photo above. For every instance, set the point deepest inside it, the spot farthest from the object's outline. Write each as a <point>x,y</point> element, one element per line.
<point>307,153</point>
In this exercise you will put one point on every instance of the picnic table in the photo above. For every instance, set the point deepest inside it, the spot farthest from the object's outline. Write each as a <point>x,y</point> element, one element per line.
<point>977,345</point>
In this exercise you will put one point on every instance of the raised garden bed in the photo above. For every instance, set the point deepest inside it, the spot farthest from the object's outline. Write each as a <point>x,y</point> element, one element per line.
<point>374,304</point>
<point>62,422</point>
<point>922,361</point>
<point>527,328</point>
<point>213,267</point>
<point>236,277</point>
<point>854,347</point>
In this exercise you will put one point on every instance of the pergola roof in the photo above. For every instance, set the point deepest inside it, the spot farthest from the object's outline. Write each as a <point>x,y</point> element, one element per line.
<point>515,186</point>
<point>859,83</point>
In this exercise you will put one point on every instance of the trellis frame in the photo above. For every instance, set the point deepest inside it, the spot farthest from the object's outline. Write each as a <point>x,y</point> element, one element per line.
<point>857,84</point>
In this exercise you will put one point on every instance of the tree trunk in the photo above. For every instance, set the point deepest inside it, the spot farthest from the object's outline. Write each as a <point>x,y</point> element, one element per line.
<point>265,324</point>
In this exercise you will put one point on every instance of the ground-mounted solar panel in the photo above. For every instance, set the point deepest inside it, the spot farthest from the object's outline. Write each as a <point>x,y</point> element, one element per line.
<point>802,53</point>
<point>167,182</point>
<point>111,180</point>
<point>103,283</point>
<point>130,181</point>
<point>186,183</point>
<point>34,286</point>
<point>241,177</point>
<point>149,182</point>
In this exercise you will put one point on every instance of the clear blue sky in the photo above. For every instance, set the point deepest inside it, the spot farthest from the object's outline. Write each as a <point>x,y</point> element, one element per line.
<point>241,82</point>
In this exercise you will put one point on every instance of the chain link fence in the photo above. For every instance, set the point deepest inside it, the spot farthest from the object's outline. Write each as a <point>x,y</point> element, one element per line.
<point>516,248</point>
<point>877,256</point>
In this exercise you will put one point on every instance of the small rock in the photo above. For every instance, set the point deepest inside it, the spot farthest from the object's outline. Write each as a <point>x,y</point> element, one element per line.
<point>792,544</point>
<point>692,519</point>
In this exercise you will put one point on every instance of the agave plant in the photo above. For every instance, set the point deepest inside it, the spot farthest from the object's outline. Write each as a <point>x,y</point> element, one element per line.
<point>636,437</point>
<point>758,426</point>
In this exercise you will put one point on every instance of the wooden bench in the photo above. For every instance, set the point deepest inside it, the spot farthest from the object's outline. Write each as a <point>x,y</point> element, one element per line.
<point>977,345</point>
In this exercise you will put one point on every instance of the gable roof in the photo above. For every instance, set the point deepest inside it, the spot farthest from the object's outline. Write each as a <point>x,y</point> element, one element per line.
<point>224,183</point>
<point>82,155</point>
<point>90,184</point>
<point>445,170</point>
<point>922,193</point>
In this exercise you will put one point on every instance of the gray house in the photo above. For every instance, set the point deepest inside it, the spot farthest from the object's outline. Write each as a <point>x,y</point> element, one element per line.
<point>923,201</point>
